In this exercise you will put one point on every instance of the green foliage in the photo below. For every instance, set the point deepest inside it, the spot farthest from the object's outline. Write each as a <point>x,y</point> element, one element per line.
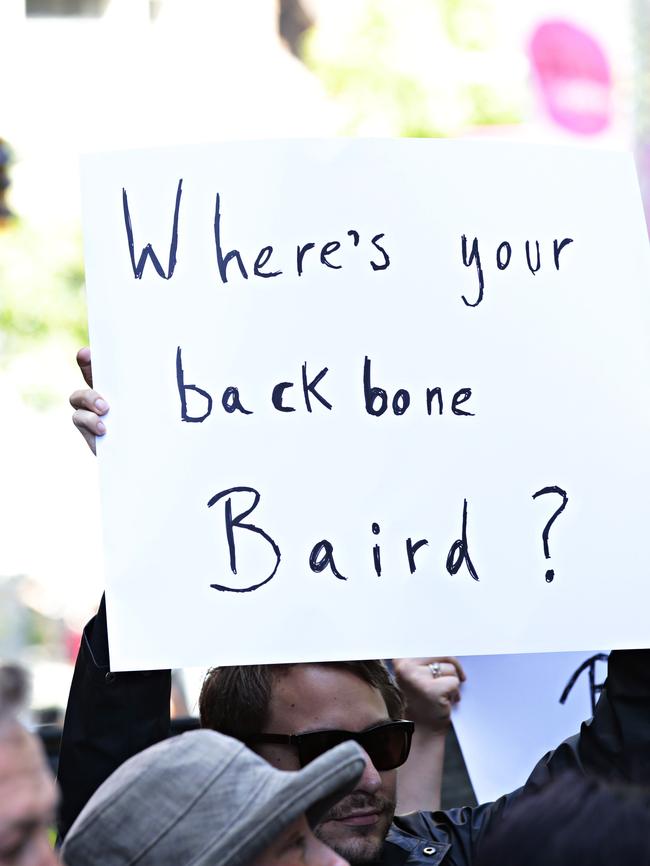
<point>468,23</point>
<point>41,287</point>
<point>365,78</point>
<point>489,107</point>
<point>397,68</point>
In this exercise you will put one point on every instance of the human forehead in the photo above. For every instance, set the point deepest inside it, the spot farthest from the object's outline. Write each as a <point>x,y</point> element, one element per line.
<point>311,697</point>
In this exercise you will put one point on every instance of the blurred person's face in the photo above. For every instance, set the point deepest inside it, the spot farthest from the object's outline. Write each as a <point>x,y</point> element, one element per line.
<point>27,800</point>
<point>317,697</point>
<point>298,846</point>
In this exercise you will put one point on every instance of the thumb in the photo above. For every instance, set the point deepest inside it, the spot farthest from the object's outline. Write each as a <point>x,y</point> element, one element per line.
<point>85,365</point>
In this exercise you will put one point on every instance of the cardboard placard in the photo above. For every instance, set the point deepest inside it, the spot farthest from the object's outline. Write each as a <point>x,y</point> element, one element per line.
<point>369,399</point>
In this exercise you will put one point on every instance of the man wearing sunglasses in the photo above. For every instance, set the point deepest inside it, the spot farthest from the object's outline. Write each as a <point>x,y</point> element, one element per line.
<point>292,714</point>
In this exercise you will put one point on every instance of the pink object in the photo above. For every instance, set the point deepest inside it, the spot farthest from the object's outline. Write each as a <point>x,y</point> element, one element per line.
<point>574,77</point>
<point>72,642</point>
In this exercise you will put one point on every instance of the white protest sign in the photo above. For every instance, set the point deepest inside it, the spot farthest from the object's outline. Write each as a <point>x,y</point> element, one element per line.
<point>369,399</point>
<point>516,708</point>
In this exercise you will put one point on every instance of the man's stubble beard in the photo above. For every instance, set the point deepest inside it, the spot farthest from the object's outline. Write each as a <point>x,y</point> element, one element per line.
<point>361,845</point>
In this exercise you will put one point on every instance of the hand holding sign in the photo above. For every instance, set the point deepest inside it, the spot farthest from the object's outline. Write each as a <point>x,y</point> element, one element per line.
<point>88,404</point>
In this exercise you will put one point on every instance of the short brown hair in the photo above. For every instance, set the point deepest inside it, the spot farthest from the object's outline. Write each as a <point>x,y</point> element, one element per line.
<point>235,700</point>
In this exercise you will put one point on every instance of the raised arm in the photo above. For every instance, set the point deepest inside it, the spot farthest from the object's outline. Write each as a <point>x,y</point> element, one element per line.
<point>431,687</point>
<point>109,716</point>
<point>615,744</point>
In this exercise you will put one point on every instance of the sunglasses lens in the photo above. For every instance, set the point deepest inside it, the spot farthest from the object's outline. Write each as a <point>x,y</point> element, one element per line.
<point>387,746</point>
<point>312,746</point>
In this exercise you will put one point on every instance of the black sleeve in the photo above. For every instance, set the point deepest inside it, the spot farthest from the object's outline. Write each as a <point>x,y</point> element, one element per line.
<point>615,744</point>
<point>109,718</point>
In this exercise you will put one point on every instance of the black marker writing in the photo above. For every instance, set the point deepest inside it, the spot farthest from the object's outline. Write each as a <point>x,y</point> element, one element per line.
<point>502,263</point>
<point>412,549</point>
<point>183,389</point>
<point>322,556</point>
<point>558,246</point>
<point>148,251</point>
<point>277,397</point>
<point>309,387</point>
<point>386,262</point>
<point>533,268</point>
<point>459,551</point>
<point>223,261</point>
<point>550,574</point>
<point>376,398</point>
<point>263,266</point>
<point>300,255</point>
<point>376,551</point>
<point>474,258</point>
<point>262,258</point>
<point>327,251</point>
<point>231,402</point>
<point>233,523</point>
<point>504,257</point>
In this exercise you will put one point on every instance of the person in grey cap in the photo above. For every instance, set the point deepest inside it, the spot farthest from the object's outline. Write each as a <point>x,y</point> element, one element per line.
<point>203,798</point>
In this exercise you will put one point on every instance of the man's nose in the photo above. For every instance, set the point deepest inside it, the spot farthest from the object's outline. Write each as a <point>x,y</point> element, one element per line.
<point>370,781</point>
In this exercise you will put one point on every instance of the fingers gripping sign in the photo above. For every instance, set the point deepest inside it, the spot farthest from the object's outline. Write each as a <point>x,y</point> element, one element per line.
<point>89,406</point>
<point>85,365</point>
<point>431,687</point>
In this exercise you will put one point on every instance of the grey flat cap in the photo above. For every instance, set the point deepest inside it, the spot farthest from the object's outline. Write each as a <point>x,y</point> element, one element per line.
<point>202,799</point>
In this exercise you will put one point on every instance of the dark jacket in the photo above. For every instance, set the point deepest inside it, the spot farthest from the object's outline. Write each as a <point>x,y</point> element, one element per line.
<point>109,718</point>
<point>113,716</point>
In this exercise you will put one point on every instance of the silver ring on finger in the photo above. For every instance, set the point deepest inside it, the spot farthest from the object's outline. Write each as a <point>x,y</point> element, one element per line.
<point>435,670</point>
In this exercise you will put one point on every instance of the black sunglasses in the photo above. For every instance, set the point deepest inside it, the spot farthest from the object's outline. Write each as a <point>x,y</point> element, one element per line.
<point>387,744</point>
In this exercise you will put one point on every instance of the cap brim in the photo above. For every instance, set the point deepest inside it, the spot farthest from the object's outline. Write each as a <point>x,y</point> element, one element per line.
<point>311,791</point>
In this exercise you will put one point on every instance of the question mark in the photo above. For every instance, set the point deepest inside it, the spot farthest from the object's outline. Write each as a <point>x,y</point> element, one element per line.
<point>550,574</point>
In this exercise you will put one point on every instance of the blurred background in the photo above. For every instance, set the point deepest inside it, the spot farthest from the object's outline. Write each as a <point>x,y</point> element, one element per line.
<point>84,75</point>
